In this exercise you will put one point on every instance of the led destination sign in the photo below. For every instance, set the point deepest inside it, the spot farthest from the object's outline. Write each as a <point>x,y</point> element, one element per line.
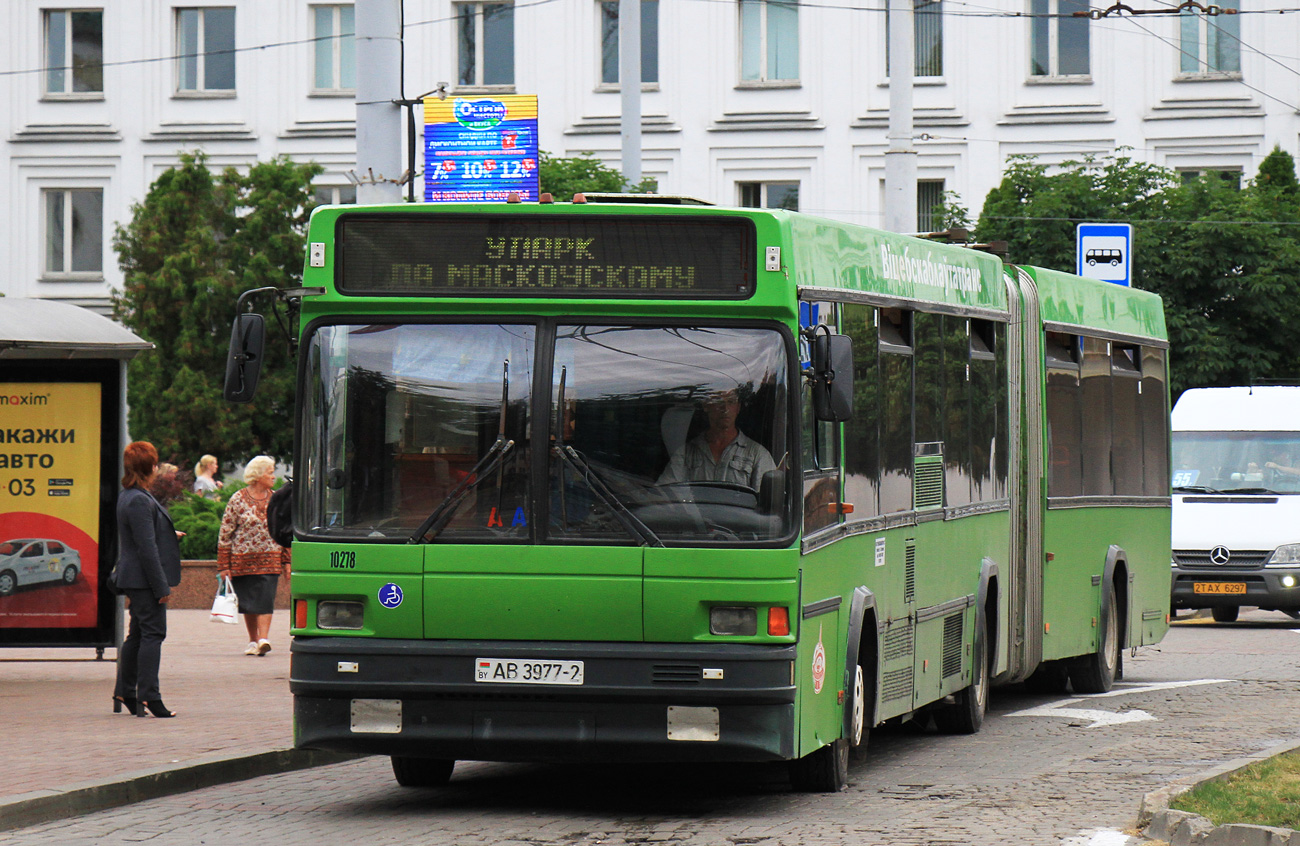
<point>437,255</point>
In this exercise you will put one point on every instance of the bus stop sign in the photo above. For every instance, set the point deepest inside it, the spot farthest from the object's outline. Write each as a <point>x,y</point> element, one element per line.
<point>1105,251</point>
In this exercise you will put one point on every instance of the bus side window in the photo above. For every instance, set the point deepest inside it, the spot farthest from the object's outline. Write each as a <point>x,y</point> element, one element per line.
<point>1154,412</point>
<point>896,354</point>
<point>862,432</point>
<point>820,439</point>
<point>1064,416</point>
<point>1126,431</point>
<point>1094,379</point>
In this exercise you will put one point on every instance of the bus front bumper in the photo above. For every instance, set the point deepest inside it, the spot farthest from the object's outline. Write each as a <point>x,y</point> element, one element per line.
<point>638,701</point>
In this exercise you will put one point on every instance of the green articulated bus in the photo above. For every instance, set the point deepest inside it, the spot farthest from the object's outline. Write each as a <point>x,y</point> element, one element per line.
<point>608,481</point>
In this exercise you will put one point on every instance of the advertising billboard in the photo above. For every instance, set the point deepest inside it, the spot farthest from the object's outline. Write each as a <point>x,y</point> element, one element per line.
<point>50,504</point>
<point>480,149</point>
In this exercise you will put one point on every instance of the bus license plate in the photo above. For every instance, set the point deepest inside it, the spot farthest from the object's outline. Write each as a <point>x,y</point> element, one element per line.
<point>1219,587</point>
<point>516,671</point>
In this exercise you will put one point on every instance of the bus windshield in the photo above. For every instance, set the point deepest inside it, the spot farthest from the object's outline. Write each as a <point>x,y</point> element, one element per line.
<point>651,434</point>
<point>1228,462</point>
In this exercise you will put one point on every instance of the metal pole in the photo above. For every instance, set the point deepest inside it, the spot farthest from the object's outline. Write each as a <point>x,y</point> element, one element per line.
<point>629,86</point>
<point>900,158</point>
<point>379,118</point>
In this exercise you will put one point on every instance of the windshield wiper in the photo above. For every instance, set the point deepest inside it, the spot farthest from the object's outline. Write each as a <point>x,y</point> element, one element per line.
<point>1202,489</point>
<point>500,448</point>
<point>1249,491</point>
<point>576,462</point>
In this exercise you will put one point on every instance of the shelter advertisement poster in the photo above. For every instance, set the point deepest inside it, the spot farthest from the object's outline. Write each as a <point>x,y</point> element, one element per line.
<point>480,149</point>
<point>49,504</point>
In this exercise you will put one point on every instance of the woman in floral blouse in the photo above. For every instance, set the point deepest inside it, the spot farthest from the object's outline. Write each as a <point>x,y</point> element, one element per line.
<point>246,553</point>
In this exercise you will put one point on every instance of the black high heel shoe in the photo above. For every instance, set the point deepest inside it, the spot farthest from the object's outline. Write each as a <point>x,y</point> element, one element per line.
<point>128,701</point>
<point>157,708</point>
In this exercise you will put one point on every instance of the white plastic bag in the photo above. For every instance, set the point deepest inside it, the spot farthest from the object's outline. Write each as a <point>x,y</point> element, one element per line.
<point>225,607</point>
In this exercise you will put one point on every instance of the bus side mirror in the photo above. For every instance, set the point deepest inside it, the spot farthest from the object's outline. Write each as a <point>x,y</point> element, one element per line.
<point>244,361</point>
<point>832,388</point>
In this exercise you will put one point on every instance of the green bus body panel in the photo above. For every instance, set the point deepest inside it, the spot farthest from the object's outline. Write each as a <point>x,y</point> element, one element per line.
<point>344,558</point>
<point>404,621</point>
<point>1079,545</point>
<point>831,254</point>
<point>1078,301</point>
<point>486,592</point>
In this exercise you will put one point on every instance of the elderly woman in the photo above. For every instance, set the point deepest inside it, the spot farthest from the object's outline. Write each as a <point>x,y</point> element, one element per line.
<point>205,482</point>
<point>247,554</point>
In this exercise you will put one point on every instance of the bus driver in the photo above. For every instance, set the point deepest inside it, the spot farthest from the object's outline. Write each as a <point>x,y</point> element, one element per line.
<point>721,453</point>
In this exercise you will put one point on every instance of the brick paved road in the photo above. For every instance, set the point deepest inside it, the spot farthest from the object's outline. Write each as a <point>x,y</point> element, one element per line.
<point>1022,780</point>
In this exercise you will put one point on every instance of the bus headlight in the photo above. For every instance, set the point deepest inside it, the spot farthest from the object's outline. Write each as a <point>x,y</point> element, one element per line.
<point>730,620</point>
<point>1288,581</point>
<point>1286,555</point>
<point>332,614</point>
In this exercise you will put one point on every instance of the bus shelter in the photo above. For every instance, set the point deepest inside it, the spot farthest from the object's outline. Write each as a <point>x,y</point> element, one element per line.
<point>62,430</point>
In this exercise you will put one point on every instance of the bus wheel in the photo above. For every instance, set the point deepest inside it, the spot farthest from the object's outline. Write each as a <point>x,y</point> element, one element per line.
<point>858,719</point>
<point>1096,673</point>
<point>966,714</point>
<point>1225,613</point>
<point>422,772</point>
<point>824,770</point>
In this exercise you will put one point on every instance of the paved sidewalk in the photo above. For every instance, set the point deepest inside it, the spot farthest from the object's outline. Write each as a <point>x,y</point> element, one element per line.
<point>66,752</point>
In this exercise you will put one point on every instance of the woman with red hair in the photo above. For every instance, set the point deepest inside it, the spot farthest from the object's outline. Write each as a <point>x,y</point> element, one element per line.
<point>148,567</point>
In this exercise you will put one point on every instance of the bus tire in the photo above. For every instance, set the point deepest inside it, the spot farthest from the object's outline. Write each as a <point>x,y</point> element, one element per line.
<point>1225,613</point>
<point>824,770</point>
<point>1096,673</point>
<point>422,772</point>
<point>966,713</point>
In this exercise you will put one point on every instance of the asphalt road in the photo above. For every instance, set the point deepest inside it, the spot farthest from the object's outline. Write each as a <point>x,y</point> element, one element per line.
<point>1044,770</point>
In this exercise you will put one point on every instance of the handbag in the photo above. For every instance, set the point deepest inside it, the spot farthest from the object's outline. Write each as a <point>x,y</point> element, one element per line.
<point>225,606</point>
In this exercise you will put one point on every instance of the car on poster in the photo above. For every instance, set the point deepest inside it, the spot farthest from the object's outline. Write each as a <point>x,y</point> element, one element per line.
<point>28,561</point>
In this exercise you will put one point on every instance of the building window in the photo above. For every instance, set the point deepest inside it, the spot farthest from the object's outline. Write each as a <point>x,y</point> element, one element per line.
<point>334,195</point>
<point>1231,178</point>
<point>769,195</point>
<point>74,232</point>
<point>1209,44</point>
<point>609,41</point>
<point>1059,41</point>
<point>928,38</point>
<point>486,44</point>
<point>929,194</point>
<point>74,51</point>
<point>769,41</point>
<point>205,40</point>
<point>336,58</point>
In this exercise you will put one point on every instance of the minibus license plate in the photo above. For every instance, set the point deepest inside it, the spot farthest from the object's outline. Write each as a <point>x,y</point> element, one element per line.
<point>1219,587</point>
<point>518,671</point>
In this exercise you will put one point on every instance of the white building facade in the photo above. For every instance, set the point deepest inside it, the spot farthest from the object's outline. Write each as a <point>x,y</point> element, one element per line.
<point>757,102</point>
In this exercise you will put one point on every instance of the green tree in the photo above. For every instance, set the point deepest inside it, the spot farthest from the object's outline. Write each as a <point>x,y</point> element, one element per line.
<point>1225,261</point>
<point>564,177</point>
<point>196,242</point>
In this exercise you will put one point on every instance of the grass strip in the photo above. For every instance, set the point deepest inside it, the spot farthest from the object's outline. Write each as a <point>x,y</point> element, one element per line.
<point>1265,793</point>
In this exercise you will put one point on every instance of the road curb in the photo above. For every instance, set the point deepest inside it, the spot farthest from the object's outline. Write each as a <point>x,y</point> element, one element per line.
<point>1180,828</point>
<point>25,809</point>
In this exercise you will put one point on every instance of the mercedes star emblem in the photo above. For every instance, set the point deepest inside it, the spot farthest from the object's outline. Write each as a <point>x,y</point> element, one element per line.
<point>1220,555</point>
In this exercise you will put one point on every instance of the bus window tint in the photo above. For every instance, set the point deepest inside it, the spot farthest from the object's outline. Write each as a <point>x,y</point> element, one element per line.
<point>1097,413</point>
<point>861,432</point>
<point>956,412</point>
<point>685,427</point>
<point>821,438</point>
<point>402,414</point>
<point>895,327</point>
<point>1126,431</point>
<point>1064,416</point>
<point>1153,409</point>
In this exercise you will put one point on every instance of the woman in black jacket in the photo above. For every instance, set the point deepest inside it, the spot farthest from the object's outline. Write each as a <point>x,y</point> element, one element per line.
<point>148,567</point>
